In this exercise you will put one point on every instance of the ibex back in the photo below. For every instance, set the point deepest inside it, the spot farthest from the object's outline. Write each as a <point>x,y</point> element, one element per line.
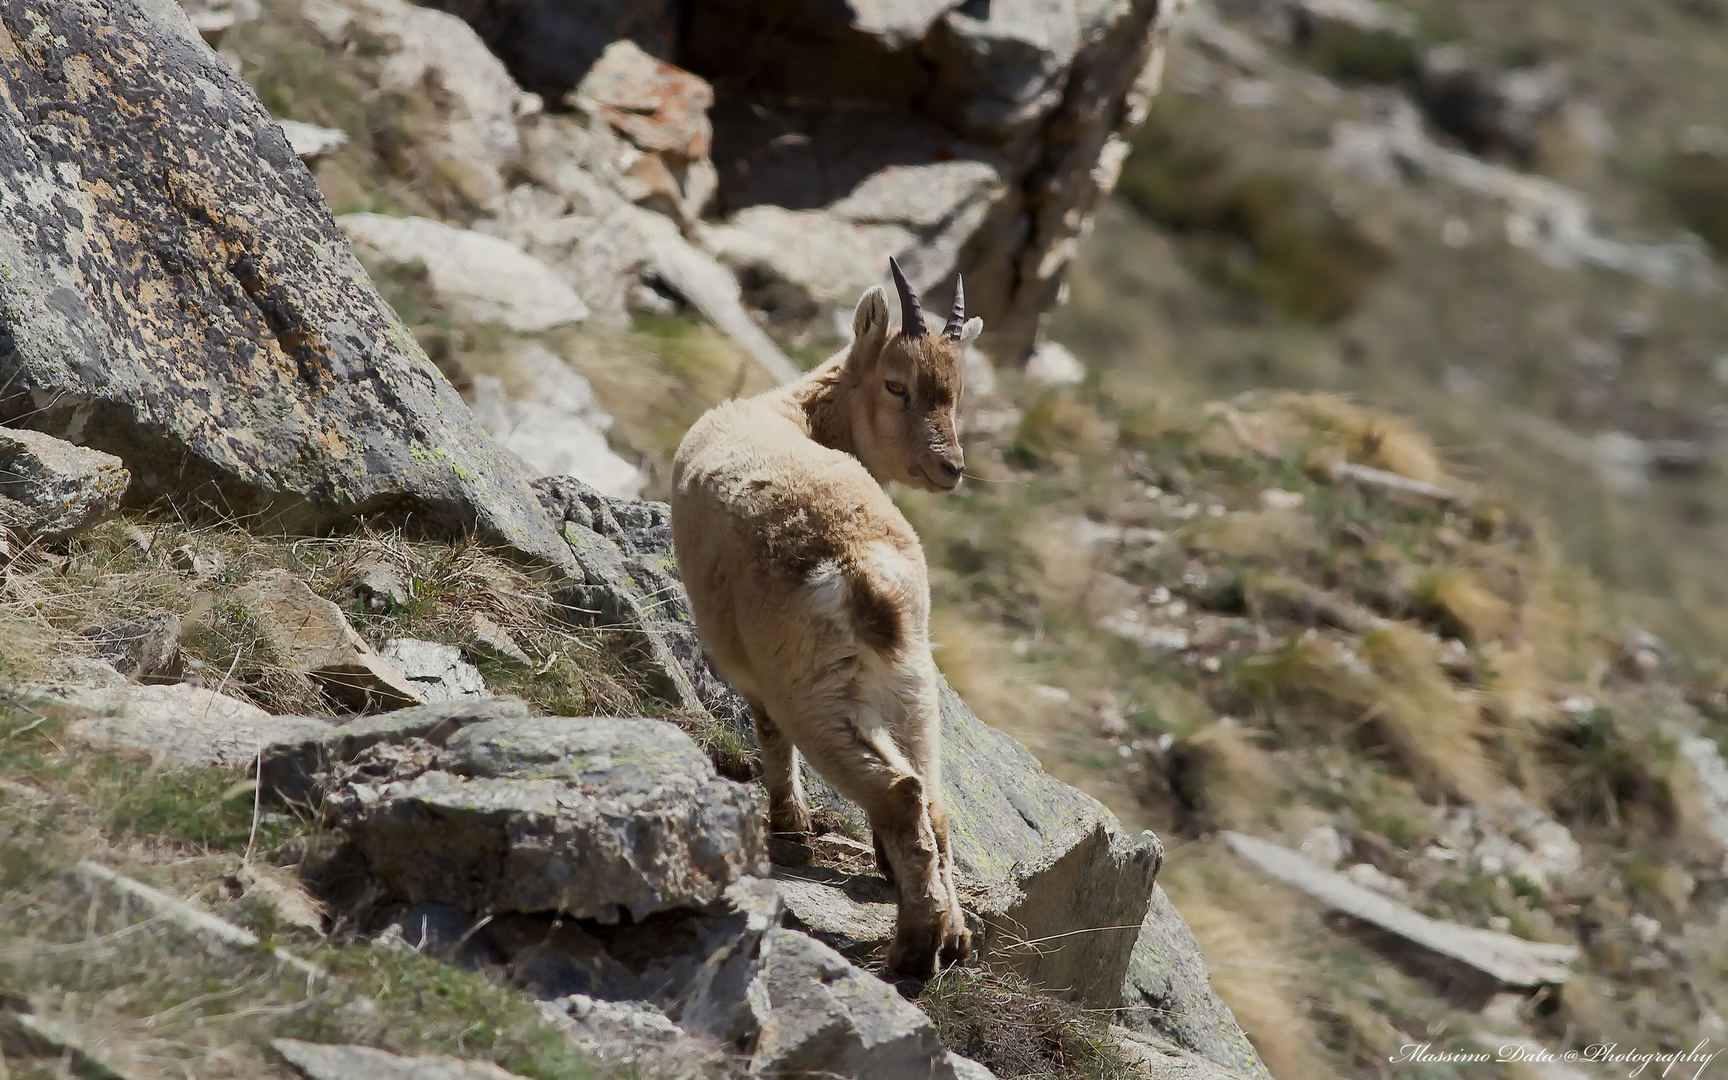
<point>810,592</point>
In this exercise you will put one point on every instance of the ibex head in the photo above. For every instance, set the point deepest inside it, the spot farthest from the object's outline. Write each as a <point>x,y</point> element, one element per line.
<point>905,388</point>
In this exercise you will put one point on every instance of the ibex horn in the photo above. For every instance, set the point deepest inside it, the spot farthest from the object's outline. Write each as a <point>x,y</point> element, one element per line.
<point>911,315</point>
<point>957,317</point>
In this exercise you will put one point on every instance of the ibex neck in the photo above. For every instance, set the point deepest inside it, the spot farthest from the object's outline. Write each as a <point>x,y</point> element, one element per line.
<point>818,403</point>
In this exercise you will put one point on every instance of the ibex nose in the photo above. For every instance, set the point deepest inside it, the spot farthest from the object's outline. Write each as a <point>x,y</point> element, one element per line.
<point>951,467</point>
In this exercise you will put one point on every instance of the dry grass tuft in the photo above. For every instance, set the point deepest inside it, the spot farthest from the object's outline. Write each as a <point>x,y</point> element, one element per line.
<point>1307,674</point>
<point>1331,425</point>
<point>106,578</point>
<point>1461,604</point>
<point>1282,535</point>
<point>1064,430</point>
<point>1430,726</point>
<point>1395,697</point>
<point>1219,773</point>
<point>1000,1022</point>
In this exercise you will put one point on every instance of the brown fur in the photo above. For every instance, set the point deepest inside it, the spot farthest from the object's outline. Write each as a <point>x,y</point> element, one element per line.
<point>811,595</point>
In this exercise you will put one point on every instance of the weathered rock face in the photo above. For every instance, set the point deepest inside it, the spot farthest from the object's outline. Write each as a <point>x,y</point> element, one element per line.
<point>50,488</point>
<point>662,112</point>
<point>426,52</point>
<point>550,44</point>
<point>1028,97</point>
<point>439,672</point>
<point>297,767</point>
<point>173,292</point>
<point>826,1016</point>
<point>321,1061</point>
<point>588,817</point>
<point>957,137</point>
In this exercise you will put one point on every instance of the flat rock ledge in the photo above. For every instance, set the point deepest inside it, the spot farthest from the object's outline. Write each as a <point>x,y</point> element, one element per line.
<point>1472,956</point>
<point>592,817</point>
<point>322,1061</point>
<point>50,488</point>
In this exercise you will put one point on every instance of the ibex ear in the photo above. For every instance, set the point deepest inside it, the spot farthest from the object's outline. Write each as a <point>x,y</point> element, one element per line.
<point>969,333</point>
<point>869,325</point>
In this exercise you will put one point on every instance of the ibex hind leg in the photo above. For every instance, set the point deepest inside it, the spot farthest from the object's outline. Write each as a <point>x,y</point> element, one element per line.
<point>892,798</point>
<point>788,812</point>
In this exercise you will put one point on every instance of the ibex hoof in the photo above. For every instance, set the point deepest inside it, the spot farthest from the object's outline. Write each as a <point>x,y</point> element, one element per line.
<point>789,818</point>
<point>957,947</point>
<point>914,951</point>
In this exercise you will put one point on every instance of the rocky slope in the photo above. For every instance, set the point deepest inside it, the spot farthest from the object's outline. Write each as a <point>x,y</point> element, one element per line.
<point>1420,775</point>
<point>188,342</point>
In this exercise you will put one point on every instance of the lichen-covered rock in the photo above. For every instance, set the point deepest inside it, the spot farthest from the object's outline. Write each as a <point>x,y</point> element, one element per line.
<point>589,817</point>
<point>50,488</point>
<point>439,672</point>
<point>174,292</point>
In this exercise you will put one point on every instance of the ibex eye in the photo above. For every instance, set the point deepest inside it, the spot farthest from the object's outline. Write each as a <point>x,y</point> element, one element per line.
<point>898,389</point>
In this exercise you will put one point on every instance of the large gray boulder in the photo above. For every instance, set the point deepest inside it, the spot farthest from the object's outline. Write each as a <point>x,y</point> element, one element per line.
<point>481,278</point>
<point>298,766</point>
<point>174,292</point>
<point>592,817</point>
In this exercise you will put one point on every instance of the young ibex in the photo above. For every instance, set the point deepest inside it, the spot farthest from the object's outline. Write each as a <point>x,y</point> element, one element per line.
<point>810,593</point>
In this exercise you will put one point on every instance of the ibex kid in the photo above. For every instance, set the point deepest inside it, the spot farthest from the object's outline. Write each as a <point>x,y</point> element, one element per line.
<point>810,592</point>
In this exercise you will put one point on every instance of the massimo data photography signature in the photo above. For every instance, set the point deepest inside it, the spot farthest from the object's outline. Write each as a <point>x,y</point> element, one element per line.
<point>1627,1061</point>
